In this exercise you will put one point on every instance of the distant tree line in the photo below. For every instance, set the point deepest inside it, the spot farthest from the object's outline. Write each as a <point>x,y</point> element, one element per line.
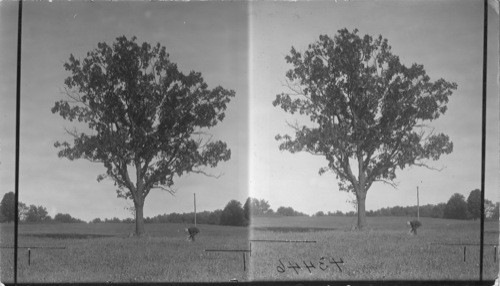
<point>31,213</point>
<point>236,214</point>
<point>233,214</point>
<point>456,208</point>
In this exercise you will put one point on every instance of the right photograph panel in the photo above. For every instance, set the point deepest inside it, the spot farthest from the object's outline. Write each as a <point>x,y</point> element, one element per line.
<point>365,140</point>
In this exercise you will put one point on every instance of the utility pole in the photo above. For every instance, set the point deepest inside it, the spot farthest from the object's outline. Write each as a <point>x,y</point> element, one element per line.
<point>194,209</point>
<point>418,207</point>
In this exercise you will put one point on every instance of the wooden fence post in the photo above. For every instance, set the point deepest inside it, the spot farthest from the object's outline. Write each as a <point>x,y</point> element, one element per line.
<point>244,263</point>
<point>495,254</point>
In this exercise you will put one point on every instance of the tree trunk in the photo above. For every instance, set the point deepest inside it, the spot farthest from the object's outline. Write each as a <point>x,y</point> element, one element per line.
<point>361,211</point>
<point>139,219</point>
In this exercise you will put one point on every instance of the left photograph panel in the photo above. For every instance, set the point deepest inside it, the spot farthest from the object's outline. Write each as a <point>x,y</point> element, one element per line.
<point>133,142</point>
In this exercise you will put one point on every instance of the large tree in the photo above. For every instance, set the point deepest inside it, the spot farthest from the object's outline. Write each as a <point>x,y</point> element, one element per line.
<point>146,121</point>
<point>367,111</point>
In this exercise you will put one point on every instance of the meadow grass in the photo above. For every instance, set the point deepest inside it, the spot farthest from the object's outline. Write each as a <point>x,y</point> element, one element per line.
<point>105,252</point>
<point>161,255</point>
<point>383,251</point>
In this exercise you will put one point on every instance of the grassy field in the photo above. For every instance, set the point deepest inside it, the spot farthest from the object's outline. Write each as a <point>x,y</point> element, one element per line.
<point>384,251</point>
<point>105,252</point>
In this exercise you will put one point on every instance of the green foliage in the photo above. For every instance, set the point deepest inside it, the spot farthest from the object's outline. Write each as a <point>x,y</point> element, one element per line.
<point>232,214</point>
<point>204,217</point>
<point>7,209</point>
<point>474,204</point>
<point>365,105</point>
<point>66,218</point>
<point>144,114</point>
<point>37,214</point>
<point>456,208</point>
<point>495,214</point>
<point>8,206</point>
<point>320,213</point>
<point>289,211</point>
<point>214,217</point>
<point>113,220</point>
<point>259,207</point>
<point>23,210</point>
<point>438,210</point>
<point>246,210</point>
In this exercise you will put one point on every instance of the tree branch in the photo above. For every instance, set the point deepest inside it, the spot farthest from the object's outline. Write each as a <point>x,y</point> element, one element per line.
<point>207,174</point>
<point>392,184</point>
<point>429,167</point>
<point>171,191</point>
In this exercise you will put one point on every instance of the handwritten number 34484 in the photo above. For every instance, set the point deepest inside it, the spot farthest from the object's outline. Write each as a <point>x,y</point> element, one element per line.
<point>322,264</point>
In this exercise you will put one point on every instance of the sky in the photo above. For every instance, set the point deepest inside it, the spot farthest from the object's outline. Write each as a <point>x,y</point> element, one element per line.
<point>241,46</point>
<point>209,38</point>
<point>444,36</point>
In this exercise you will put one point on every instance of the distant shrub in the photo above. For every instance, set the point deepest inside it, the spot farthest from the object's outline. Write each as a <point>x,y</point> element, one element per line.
<point>113,220</point>
<point>67,218</point>
<point>320,213</point>
<point>289,211</point>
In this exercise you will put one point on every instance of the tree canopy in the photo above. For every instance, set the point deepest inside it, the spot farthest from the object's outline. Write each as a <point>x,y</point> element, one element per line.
<point>368,112</point>
<point>146,118</point>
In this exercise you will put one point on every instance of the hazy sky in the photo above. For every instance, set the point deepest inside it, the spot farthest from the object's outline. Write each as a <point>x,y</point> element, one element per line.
<point>241,46</point>
<point>207,37</point>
